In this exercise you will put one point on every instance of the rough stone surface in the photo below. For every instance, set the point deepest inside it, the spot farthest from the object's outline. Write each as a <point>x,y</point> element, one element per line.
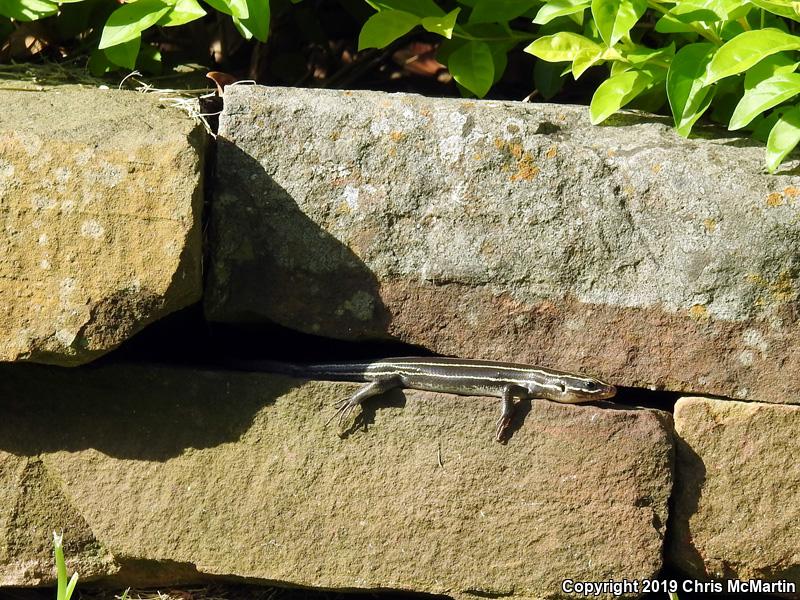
<point>100,198</point>
<point>737,495</point>
<point>169,474</point>
<point>511,231</point>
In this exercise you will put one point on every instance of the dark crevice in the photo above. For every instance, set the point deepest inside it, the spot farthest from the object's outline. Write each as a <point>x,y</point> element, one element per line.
<point>660,399</point>
<point>482,594</point>
<point>185,338</point>
<point>216,588</point>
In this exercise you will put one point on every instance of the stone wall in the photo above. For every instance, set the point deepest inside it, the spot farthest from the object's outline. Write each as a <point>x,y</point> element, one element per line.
<point>101,196</point>
<point>491,230</point>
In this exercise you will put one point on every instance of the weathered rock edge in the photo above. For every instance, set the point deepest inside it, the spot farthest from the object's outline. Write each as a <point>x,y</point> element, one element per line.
<point>736,506</point>
<point>510,231</point>
<point>236,475</point>
<point>100,200</point>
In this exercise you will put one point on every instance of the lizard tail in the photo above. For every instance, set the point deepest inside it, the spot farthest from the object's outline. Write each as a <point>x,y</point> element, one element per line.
<point>325,371</point>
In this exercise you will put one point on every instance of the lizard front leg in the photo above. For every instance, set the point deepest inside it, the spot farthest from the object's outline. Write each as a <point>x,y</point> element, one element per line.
<point>507,409</point>
<point>344,408</point>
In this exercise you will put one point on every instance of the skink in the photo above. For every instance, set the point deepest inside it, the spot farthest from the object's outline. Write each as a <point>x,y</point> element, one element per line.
<point>464,377</point>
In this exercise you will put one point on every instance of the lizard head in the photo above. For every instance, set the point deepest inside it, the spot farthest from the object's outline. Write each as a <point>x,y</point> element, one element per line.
<point>575,389</point>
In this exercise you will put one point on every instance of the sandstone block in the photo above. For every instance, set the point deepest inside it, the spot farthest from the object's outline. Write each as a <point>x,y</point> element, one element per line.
<point>100,199</point>
<point>737,492</point>
<point>175,474</point>
<point>510,231</point>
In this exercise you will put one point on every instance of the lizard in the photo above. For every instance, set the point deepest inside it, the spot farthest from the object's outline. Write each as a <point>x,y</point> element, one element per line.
<point>465,377</point>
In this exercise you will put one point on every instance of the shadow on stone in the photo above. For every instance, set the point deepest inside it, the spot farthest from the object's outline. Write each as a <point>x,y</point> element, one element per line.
<point>137,412</point>
<point>272,262</point>
<point>633,118</point>
<point>522,409</point>
<point>690,476</point>
<point>142,572</point>
<point>366,414</point>
<point>39,508</point>
<point>789,168</point>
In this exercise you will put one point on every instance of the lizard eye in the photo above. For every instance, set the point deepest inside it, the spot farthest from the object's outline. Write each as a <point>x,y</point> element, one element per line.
<point>562,386</point>
<point>591,385</point>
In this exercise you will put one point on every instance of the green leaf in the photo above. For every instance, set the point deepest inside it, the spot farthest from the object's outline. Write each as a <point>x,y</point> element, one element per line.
<point>782,9</point>
<point>472,66</point>
<point>246,29</point>
<point>669,24</point>
<point>547,78</point>
<point>612,54</point>
<point>658,73</point>
<point>733,9</point>
<point>73,581</point>
<point>577,17</point>
<point>130,20</point>
<point>694,12</point>
<point>124,55</point>
<point>384,27</point>
<point>651,100</point>
<point>219,6</point>
<point>561,46</point>
<point>584,60</point>
<point>183,11</point>
<point>421,8</point>
<point>500,58</point>
<point>61,566</point>
<point>567,24</point>
<point>238,8</point>
<point>447,47</point>
<point>709,11</point>
<point>442,25</point>
<point>99,64</point>
<point>745,50</point>
<point>777,63</point>
<point>616,92</point>
<point>640,55</point>
<point>257,23</point>
<point>727,94</point>
<point>234,8</point>
<point>27,10</point>
<point>784,136</point>
<point>767,94</point>
<point>730,29</point>
<point>497,11</point>
<point>688,95</point>
<point>762,125</point>
<point>615,18</point>
<point>618,67</point>
<point>559,8</point>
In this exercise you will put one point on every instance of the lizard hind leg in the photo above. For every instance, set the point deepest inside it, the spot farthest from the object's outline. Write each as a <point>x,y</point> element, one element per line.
<point>507,410</point>
<point>344,408</point>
